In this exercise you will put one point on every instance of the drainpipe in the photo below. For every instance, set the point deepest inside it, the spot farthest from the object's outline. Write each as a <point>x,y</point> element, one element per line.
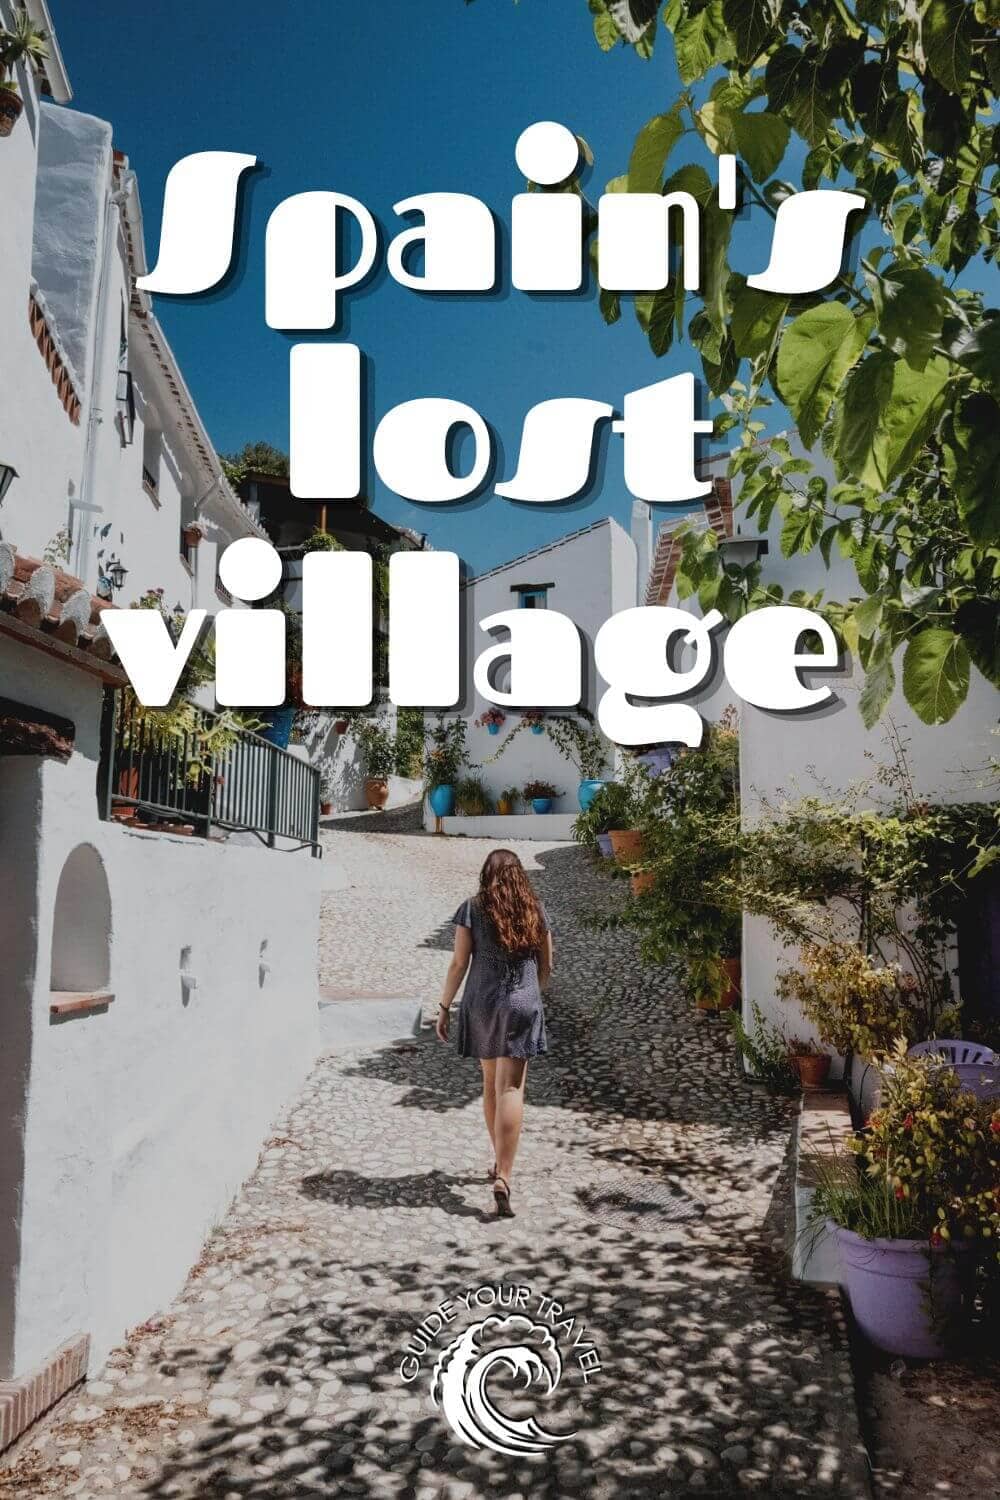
<point>89,504</point>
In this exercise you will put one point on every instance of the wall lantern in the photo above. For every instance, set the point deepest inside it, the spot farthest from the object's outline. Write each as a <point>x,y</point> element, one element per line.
<point>742,551</point>
<point>7,476</point>
<point>116,573</point>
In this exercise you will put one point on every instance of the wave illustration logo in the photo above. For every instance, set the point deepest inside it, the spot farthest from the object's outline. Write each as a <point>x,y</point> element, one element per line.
<point>460,1377</point>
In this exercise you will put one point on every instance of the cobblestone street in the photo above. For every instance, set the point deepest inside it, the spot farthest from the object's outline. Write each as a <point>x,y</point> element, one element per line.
<point>650,1204</point>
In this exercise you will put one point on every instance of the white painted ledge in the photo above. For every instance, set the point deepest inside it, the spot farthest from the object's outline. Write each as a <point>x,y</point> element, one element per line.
<point>553,828</point>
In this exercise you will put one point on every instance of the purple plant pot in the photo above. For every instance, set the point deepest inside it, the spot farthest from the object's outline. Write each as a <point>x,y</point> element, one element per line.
<point>906,1297</point>
<point>603,841</point>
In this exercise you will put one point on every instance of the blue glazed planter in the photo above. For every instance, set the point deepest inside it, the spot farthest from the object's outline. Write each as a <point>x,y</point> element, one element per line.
<point>279,727</point>
<point>604,845</point>
<point>541,804</point>
<point>586,792</point>
<point>493,729</point>
<point>442,800</point>
<point>538,728</point>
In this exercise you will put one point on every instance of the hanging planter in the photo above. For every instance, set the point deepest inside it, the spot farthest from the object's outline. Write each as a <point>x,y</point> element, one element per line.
<point>11,109</point>
<point>23,43</point>
<point>192,536</point>
<point>491,720</point>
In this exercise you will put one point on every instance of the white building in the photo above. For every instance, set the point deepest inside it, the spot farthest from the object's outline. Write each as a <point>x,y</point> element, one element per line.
<point>157,990</point>
<point>798,754</point>
<point>588,575</point>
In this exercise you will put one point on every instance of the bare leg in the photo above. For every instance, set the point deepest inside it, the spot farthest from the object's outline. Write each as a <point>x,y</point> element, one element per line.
<point>511,1073</point>
<point>489,1067</point>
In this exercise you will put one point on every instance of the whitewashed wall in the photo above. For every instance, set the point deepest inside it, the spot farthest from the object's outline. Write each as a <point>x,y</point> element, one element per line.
<point>133,1127</point>
<point>593,575</point>
<point>800,754</point>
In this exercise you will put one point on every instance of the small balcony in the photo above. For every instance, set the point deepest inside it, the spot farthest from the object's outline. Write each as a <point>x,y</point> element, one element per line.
<point>180,784</point>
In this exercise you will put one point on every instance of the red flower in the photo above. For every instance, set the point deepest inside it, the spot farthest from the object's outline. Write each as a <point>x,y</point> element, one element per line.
<point>908,1122</point>
<point>900,1192</point>
<point>995,1124</point>
<point>936,1238</point>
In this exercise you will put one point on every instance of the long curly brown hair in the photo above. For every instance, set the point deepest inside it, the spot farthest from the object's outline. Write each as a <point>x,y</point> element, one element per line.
<point>508,900</point>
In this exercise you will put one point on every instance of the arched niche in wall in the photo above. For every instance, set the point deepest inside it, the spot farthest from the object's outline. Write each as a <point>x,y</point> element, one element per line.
<point>81,935</point>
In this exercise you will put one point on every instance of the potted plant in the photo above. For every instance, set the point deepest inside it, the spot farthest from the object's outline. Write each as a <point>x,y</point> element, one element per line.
<point>326,794</point>
<point>610,808</point>
<point>540,794</point>
<point>534,718</point>
<point>322,541</point>
<point>810,1062</point>
<point>491,720</point>
<point>914,1207</point>
<point>443,762</point>
<point>23,43</point>
<point>687,832</point>
<point>585,748</point>
<point>193,535</point>
<point>379,755</point>
<point>508,800</point>
<point>472,799</point>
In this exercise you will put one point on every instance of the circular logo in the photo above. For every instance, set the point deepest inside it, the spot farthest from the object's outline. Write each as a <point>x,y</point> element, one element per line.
<point>459,1384</point>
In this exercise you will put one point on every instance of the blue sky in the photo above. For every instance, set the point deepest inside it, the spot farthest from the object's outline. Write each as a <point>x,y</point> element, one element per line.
<point>383,101</point>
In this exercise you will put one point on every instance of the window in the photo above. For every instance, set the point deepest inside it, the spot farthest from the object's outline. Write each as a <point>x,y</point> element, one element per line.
<point>125,404</point>
<point>151,462</point>
<point>532,595</point>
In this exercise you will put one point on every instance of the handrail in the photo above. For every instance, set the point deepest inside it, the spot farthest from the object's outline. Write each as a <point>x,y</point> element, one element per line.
<point>151,779</point>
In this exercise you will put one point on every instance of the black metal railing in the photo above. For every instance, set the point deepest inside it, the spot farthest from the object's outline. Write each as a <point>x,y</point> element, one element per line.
<point>241,784</point>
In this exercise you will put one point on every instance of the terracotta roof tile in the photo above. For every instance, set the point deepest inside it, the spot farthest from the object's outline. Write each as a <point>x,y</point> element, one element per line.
<point>46,607</point>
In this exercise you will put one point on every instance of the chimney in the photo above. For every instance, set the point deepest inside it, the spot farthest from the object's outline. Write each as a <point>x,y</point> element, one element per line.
<point>641,531</point>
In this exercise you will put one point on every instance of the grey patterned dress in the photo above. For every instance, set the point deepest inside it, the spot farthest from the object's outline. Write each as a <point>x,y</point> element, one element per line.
<point>501,1011</point>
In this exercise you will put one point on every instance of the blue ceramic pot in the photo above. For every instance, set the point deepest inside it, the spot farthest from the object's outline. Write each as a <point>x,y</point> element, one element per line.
<point>493,729</point>
<point>442,800</point>
<point>604,845</point>
<point>538,728</point>
<point>542,804</point>
<point>586,792</point>
<point>278,729</point>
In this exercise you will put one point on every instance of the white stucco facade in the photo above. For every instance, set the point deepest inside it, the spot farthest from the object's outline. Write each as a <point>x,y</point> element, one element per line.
<point>127,1130</point>
<point>588,575</point>
<point>830,750</point>
<point>127,1126</point>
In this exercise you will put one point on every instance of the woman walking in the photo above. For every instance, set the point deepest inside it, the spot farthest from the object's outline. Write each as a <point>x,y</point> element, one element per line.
<point>504,942</point>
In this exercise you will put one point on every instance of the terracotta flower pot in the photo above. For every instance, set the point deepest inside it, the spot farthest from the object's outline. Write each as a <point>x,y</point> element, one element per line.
<point>11,109</point>
<point>377,792</point>
<point>503,807</point>
<point>326,808</point>
<point>626,845</point>
<point>192,536</point>
<point>734,980</point>
<point>643,881</point>
<point>812,1068</point>
<point>340,725</point>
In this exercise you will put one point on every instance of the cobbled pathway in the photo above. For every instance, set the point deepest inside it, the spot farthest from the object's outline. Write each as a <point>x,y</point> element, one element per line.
<point>650,1202</point>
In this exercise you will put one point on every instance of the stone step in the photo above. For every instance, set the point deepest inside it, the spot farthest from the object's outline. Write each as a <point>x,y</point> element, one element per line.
<point>349,1022</point>
<point>822,1131</point>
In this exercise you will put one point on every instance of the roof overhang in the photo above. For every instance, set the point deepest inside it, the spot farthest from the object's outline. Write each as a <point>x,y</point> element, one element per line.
<point>54,69</point>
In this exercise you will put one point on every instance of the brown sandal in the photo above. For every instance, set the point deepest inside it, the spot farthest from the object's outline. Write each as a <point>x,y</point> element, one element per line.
<point>501,1196</point>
